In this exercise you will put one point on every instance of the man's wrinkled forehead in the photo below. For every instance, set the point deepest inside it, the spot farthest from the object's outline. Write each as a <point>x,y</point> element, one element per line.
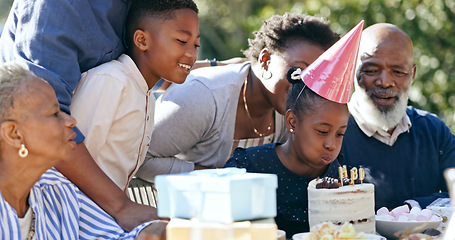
<point>385,37</point>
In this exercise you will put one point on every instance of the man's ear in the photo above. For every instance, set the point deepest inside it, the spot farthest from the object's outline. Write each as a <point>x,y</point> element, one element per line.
<point>264,59</point>
<point>414,70</point>
<point>9,134</point>
<point>290,119</point>
<point>139,40</point>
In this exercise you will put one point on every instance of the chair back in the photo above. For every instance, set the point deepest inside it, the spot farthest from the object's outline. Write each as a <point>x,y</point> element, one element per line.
<point>143,192</point>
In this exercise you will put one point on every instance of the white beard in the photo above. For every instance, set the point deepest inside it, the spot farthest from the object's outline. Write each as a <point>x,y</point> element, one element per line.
<point>385,119</point>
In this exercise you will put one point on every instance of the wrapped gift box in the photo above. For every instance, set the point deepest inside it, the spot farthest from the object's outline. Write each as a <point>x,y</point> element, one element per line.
<point>441,206</point>
<point>217,195</point>
<point>182,229</point>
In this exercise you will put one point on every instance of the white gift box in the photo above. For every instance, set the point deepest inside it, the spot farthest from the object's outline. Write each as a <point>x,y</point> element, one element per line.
<point>441,207</point>
<point>217,195</point>
<point>181,229</point>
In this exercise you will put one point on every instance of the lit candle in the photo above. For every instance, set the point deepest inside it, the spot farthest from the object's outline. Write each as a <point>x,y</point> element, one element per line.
<point>341,174</point>
<point>361,174</point>
<point>354,175</point>
<point>345,172</point>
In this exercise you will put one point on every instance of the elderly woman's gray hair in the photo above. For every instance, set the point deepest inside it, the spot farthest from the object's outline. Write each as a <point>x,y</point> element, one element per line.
<point>14,78</point>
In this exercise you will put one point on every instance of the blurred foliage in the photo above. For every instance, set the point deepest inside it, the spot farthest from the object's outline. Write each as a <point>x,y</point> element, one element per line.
<point>5,5</point>
<point>226,25</point>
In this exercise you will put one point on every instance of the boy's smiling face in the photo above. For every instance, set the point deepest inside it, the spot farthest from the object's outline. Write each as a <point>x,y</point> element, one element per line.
<point>170,47</point>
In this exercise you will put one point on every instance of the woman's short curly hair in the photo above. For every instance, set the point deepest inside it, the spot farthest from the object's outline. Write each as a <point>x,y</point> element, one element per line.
<point>14,80</point>
<point>276,32</point>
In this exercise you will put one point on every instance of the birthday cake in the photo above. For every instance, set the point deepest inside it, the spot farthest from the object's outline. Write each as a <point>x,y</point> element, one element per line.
<point>329,200</point>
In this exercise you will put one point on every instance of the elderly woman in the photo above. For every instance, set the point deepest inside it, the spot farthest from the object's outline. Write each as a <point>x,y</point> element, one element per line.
<point>36,201</point>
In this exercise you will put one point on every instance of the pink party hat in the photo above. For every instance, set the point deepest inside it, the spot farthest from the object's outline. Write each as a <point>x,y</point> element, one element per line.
<point>331,75</point>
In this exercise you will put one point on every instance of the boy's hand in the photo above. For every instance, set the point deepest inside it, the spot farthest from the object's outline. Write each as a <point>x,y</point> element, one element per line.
<point>204,63</point>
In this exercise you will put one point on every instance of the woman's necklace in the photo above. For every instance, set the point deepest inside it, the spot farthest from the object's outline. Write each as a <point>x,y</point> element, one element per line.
<point>31,232</point>
<point>248,113</point>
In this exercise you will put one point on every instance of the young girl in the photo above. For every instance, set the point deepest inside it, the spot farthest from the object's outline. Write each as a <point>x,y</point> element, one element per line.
<point>316,118</point>
<point>316,126</point>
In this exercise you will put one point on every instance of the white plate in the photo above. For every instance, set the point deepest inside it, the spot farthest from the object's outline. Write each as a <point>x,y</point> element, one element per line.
<point>303,236</point>
<point>389,228</point>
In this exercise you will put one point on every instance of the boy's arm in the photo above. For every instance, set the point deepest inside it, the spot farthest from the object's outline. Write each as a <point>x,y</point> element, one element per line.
<point>214,62</point>
<point>205,63</point>
<point>86,174</point>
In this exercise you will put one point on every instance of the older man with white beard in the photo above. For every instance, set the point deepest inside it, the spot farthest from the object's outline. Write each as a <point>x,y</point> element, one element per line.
<point>403,149</point>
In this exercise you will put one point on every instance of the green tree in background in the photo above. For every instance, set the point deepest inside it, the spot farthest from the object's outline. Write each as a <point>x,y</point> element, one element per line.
<point>5,5</point>
<point>226,25</point>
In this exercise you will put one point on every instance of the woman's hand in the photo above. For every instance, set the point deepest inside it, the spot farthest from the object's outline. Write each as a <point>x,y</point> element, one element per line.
<point>154,231</point>
<point>134,214</point>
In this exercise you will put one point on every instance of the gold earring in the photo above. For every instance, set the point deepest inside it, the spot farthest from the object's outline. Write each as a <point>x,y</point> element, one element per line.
<point>23,152</point>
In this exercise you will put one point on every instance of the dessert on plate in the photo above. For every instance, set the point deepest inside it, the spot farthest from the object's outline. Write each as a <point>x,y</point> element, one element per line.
<point>328,231</point>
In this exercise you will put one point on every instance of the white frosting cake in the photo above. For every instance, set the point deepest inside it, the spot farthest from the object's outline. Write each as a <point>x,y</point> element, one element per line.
<point>351,203</point>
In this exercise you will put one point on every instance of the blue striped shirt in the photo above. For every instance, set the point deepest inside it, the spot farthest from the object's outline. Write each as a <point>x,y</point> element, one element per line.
<point>62,212</point>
